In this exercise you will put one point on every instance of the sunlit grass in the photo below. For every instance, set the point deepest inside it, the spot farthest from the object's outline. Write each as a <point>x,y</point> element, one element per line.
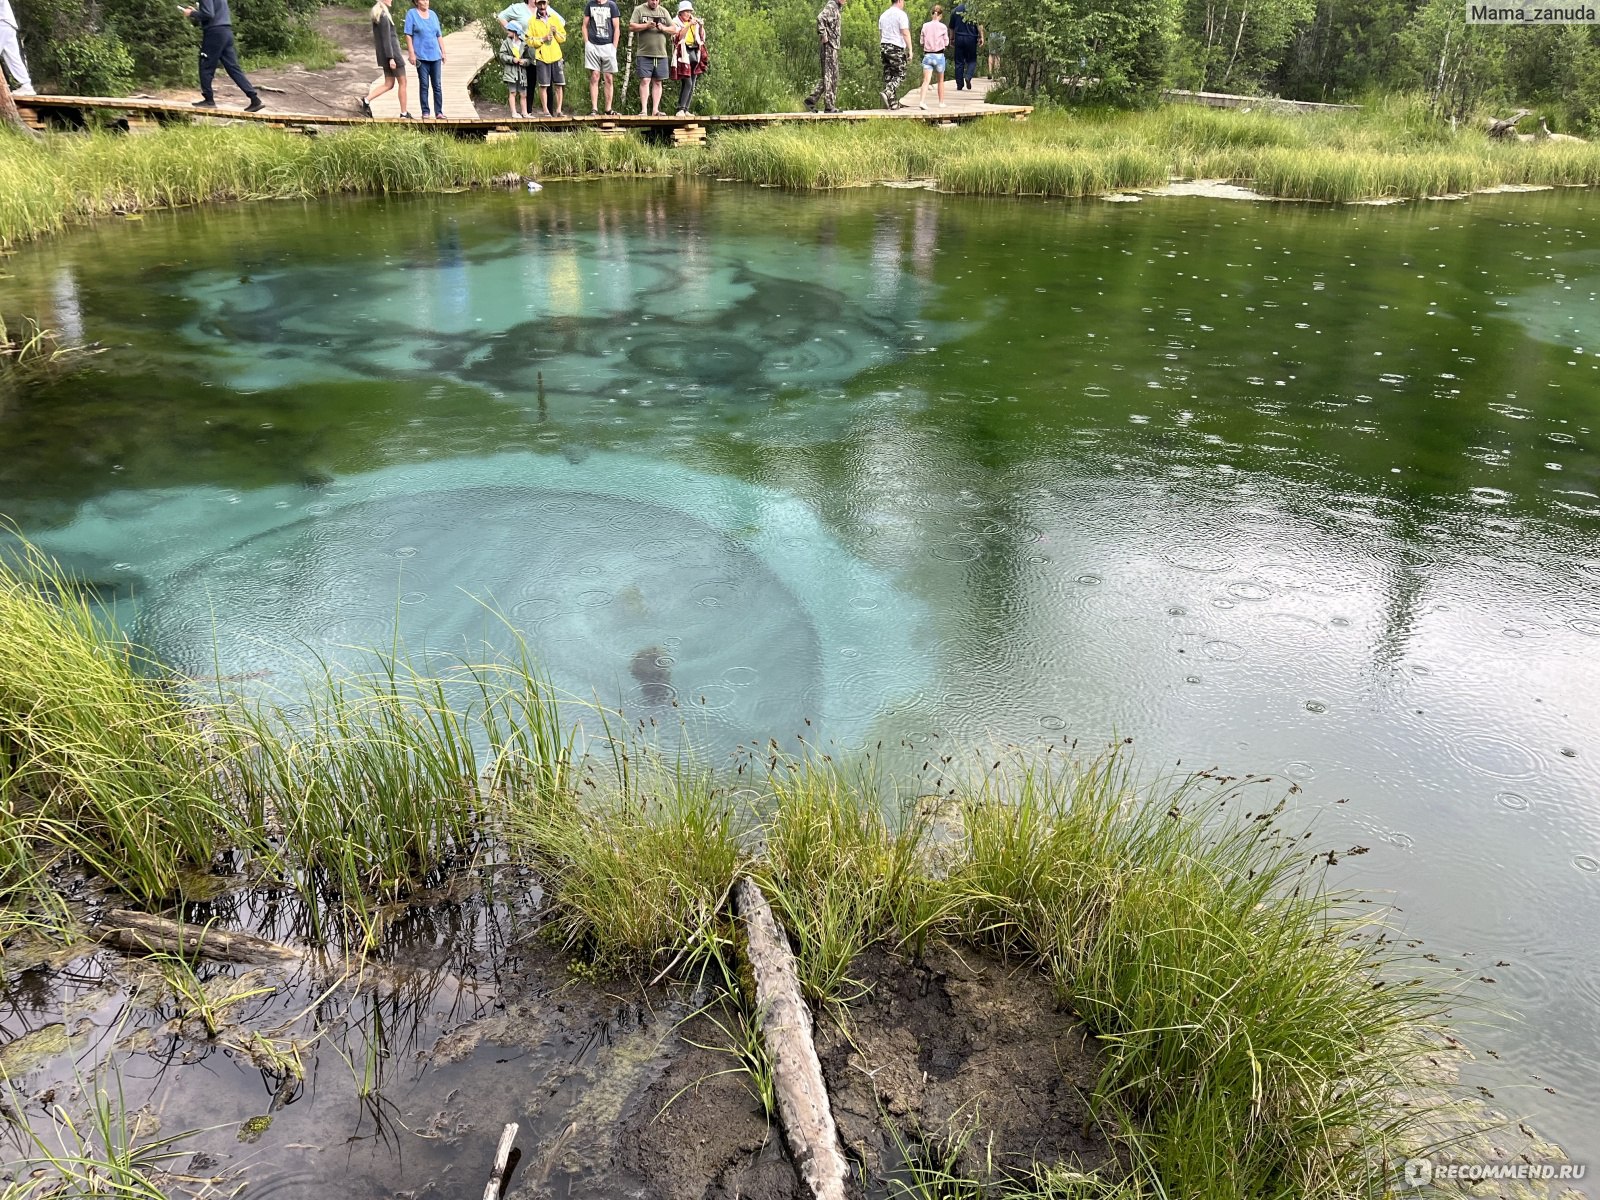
<point>643,869</point>
<point>48,184</point>
<point>1392,150</point>
<point>104,758</point>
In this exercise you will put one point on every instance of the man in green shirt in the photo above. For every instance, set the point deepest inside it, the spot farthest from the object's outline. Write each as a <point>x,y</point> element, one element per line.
<point>653,24</point>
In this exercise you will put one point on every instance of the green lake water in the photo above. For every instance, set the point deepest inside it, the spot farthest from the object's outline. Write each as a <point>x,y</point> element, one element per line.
<point>1304,491</point>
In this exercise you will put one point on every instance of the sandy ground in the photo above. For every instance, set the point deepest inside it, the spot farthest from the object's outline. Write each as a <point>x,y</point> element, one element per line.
<point>335,91</point>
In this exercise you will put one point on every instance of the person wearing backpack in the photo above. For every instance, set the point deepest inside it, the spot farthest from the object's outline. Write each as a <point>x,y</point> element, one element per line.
<point>514,59</point>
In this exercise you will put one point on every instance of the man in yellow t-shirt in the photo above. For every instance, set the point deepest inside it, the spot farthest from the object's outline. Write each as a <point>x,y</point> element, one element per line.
<point>546,33</point>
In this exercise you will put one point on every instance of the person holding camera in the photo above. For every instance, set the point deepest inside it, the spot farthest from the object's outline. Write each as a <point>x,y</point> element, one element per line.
<point>655,28</point>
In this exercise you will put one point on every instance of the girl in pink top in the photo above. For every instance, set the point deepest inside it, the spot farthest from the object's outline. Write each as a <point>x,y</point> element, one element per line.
<point>935,37</point>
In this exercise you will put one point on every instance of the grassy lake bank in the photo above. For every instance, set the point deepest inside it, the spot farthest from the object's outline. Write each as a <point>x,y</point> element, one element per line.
<point>1393,152</point>
<point>1260,1035</point>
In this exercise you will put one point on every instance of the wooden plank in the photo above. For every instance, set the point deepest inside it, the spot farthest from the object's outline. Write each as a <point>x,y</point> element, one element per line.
<point>1229,100</point>
<point>42,106</point>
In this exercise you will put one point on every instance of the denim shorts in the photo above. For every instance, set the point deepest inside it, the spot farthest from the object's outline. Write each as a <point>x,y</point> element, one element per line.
<point>652,68</point>
<point>934,62</point>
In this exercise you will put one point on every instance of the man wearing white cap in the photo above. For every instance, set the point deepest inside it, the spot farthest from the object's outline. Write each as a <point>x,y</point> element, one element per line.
<point>689,59</point>
<point>11,50</point>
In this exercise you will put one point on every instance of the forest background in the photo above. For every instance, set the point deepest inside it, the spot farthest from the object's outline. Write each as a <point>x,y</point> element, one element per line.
<point>1119,52</point>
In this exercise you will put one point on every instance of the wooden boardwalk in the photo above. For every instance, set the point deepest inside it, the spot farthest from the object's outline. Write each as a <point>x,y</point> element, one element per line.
<point>958,105</point>
<point>46,112</point>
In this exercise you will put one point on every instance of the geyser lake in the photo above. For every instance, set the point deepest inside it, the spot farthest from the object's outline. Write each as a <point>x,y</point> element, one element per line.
<point>1302,491</point>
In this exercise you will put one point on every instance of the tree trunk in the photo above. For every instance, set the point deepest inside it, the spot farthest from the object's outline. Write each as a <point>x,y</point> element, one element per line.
<point>8,107</point>
<point>786,1031</point>
<point>1244,14</point>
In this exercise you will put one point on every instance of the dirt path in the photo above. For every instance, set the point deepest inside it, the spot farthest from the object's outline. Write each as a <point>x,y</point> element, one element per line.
<point>334,91</point>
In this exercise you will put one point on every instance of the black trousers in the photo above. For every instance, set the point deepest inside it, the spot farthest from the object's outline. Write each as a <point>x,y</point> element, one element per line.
<point>965,54</point>
<point>217,49</point>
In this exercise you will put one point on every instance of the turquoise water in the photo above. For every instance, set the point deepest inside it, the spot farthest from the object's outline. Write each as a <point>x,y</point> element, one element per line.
<point>1303,491</point>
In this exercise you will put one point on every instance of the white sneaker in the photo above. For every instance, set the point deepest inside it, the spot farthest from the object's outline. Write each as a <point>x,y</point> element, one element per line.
<point>27,91</point>
<point>923,105</point>
<point>941,104</point>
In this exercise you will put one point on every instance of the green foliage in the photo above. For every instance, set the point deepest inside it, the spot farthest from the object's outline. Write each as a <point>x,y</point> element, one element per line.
<point>1083,49</point>
<point>91,65</point>
<point>1457,64</point>
<point>1348,48</point>
<point>162,42</point>
<point>1232,45</point>
<point>265,27</point>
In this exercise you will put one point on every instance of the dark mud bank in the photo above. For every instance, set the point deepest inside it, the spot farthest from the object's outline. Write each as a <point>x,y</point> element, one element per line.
<point>957,1059</point>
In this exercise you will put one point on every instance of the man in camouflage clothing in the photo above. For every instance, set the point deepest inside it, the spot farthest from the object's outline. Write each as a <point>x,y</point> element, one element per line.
<point>828,23</point>
<point>894,43</point>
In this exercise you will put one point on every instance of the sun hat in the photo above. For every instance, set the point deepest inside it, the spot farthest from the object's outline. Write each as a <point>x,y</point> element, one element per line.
<point>514,27</point>
<point>685,5</point>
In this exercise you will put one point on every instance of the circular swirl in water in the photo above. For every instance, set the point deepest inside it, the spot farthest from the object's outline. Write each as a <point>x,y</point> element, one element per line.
<point>602,619</point>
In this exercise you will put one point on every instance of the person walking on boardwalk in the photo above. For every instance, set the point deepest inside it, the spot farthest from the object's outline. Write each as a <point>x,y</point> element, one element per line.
<point>426,53</point>
<point>391,58</point>
<point>514,60</point>
<point>689,54</point>
<point>935,37</point>
<point>654,25</point>
<point>829,21</point>
<point>217,49</point>
<point>894,43</point>
<point>600,21</point>
<point>547,33</point>
<point>965,38</point>
<point>11,51</point>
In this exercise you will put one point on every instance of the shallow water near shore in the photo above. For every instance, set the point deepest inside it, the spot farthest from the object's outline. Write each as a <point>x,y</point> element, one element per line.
<point>1303,491</point>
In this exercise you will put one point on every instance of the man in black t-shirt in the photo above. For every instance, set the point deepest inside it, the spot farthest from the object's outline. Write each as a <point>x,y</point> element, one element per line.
<point>600,21</point>
<point>965,38</point>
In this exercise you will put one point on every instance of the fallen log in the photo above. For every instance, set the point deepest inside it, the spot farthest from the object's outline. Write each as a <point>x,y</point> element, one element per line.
<point>1506,126</point>
<point>145,934</point>
<point>785,1024</point>
<point>502,1156</point>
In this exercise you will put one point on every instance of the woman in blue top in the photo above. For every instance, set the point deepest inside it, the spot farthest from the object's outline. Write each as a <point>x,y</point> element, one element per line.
<point>426,53</point>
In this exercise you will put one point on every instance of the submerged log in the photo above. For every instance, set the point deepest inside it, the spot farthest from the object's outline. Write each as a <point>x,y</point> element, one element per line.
<point>143,933</point>
<point>786,1031</point>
